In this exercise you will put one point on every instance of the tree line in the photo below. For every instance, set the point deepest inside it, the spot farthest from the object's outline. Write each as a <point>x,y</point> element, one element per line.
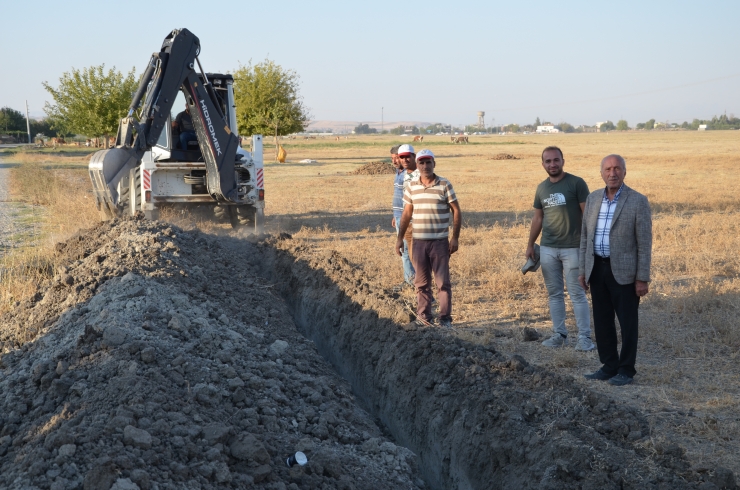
<point>13,122</point>
<point>91,102</point>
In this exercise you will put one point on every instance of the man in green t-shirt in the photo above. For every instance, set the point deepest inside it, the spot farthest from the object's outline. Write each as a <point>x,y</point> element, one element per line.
<point>558,212</point>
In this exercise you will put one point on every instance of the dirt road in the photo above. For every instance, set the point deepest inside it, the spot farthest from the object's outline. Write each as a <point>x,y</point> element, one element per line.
<point>14,229</point>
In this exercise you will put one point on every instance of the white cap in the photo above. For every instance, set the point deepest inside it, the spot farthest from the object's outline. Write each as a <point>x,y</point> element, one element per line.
<point>405,150</point>
<point>424,154</point>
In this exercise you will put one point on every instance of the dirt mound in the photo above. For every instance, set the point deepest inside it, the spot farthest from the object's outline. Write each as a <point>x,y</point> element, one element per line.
<point>159,359</point>
<point>375,168</point>
<point>503,156</point>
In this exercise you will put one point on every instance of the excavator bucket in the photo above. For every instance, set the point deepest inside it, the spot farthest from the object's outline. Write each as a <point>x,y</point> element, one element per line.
<point>108,169</point>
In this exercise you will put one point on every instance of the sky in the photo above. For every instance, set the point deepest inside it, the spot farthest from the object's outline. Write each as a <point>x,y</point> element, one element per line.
<point>567,61</point>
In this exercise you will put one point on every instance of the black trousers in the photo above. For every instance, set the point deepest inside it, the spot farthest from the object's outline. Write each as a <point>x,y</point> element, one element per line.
<point>608,298</point>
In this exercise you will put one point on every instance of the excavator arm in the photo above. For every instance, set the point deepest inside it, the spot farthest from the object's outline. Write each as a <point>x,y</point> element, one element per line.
<point>170,70</point>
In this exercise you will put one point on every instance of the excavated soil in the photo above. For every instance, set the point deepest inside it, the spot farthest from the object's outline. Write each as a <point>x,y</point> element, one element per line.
<point>159,358</point>
<point>503,156</point>
<point>375,168</point>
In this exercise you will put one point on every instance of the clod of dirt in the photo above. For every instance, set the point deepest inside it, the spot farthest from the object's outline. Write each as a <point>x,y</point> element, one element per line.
<point>168,363</point>
<point>503,156</point>
<point>530,334</point>
<point>375,168</point>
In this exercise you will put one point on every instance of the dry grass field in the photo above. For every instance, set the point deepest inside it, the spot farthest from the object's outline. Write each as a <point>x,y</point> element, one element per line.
<point>688,379</point>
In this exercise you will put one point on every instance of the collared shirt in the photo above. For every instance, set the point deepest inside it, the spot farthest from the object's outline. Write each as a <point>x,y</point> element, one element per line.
<point>604,224</point>
<point>409,176</point>
<point>432,214</point>
<point>398,194</point>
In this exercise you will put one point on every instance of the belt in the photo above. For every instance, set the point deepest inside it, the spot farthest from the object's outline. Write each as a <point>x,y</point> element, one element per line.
<point>598,258</point>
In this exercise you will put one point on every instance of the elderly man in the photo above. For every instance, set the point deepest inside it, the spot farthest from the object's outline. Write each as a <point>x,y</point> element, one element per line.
<point>558,209</point>
<point>408,268</point>
<point>616,248</point>
<point>431,202</point>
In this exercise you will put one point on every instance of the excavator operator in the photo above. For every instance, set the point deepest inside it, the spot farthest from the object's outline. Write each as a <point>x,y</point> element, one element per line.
<point>184,124</point>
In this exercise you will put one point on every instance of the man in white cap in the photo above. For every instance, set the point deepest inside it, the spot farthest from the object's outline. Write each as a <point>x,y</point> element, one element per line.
<point>431,202</point>
<point>398,185</point>
<point>407,157</point>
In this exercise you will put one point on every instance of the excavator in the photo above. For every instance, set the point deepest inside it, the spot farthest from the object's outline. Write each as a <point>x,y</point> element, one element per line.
<point>148,167</point>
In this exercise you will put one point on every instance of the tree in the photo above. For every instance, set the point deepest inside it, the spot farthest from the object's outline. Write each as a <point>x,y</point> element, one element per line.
<point>12,120</point>
<point>90,101</point>
<point>622,125</point>
<point>537,122</point>
<point>566,128</point>
<point>365,129</point>
<point>398,130</point>
<point>42,127</point>
<point>268,101</point>
<point>607,126</point>
<point>650,124</point>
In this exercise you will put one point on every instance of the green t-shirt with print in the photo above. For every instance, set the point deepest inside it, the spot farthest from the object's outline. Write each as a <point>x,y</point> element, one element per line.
<point>560,203</point>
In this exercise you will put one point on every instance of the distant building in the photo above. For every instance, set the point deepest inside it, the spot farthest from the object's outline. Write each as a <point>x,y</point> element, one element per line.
<point>702,127</point>
<point>598,125</point>
<point>547,129</point>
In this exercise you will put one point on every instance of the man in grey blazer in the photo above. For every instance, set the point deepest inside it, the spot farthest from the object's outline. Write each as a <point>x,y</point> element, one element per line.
<point>614,262</point>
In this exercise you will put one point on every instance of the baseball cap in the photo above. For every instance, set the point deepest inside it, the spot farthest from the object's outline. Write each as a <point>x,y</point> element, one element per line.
<point>532,265</point>
<point>405,150</point>
<point>424,154</point>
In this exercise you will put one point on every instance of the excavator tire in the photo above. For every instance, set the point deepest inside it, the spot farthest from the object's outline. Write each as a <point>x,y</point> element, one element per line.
<point>241,216</point>
<point>220,212</point>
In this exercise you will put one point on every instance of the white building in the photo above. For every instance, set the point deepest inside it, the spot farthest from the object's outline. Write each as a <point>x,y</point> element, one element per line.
<point>547,129</point>
<point>702,127</point>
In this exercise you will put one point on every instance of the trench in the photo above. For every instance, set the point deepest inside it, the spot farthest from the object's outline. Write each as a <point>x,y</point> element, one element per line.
<point>474,417</point>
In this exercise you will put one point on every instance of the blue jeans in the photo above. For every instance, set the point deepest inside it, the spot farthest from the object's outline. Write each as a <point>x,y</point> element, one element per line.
<point>408,269</point>
<point>186,136</point>
<point>556,263</point>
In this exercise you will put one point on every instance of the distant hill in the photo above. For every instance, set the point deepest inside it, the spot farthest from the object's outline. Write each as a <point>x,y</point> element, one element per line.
<point>348,126</point>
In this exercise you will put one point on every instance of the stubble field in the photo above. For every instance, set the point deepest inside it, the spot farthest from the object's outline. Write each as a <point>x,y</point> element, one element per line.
<point>688,375</point>
<point>687,381</point>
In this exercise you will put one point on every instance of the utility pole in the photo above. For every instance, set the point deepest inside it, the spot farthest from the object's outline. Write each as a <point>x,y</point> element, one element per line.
<point>28,124</point>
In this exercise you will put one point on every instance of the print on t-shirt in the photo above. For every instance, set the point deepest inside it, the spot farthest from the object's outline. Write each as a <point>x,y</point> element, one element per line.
<point>556,199</point>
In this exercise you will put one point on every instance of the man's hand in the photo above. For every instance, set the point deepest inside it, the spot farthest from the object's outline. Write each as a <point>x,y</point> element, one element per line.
<point>641,288</point>
<point>582,282</point>
<point>393,222</point>
<point>399,246</point>
<point>453,245</point>
<point>529,254</point>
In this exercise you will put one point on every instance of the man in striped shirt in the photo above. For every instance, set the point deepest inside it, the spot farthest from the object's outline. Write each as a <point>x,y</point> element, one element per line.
<point>431,202</point>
